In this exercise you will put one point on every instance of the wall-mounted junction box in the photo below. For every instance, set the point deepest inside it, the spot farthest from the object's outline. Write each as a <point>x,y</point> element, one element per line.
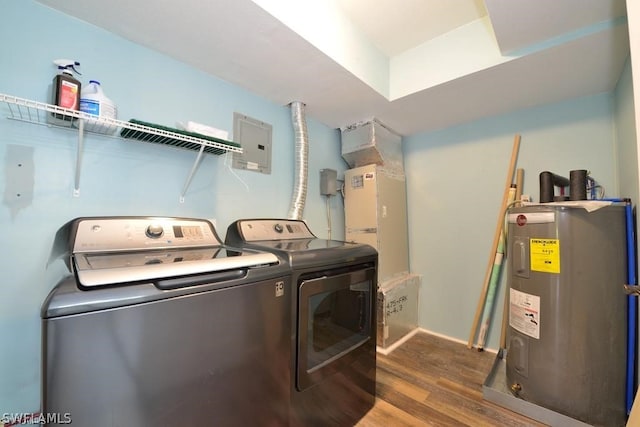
<point>328,182</point>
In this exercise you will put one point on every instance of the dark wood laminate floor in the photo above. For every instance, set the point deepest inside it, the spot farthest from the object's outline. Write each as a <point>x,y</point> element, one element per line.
<point>431,381</point>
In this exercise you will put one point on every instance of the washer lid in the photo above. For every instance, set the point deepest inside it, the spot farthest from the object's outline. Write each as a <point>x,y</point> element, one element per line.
<point>100,269</point>
<point>119,250</point>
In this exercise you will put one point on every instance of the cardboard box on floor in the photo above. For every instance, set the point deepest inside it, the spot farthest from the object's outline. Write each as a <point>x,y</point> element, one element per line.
<point>397,308</point>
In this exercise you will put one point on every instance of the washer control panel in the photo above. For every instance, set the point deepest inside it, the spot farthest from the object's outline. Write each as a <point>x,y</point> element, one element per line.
<point>274,229</point>
<point>135,233</point>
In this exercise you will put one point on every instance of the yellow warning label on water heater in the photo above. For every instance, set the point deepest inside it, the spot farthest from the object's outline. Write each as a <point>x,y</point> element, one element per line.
<point>545,255</point>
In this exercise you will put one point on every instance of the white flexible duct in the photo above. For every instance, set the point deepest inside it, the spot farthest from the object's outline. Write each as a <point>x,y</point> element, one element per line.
<point>302,153</point>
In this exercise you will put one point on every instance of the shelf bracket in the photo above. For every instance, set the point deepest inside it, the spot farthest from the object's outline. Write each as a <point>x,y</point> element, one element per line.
<point>76,184</point>
<point>191,173</point>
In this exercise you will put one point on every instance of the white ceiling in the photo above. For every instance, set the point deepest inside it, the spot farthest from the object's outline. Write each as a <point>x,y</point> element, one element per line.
<point>394,26</point>
<point>545,51</point>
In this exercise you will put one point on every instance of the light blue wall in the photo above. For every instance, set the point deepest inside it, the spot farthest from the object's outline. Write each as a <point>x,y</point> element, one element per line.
<point>625,136</point>
<point>455,184</point>
<point>119,177</point>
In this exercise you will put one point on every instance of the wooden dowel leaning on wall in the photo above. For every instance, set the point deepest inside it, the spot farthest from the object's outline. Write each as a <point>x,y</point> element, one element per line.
<point>519,183</point>
<point>496,238</point>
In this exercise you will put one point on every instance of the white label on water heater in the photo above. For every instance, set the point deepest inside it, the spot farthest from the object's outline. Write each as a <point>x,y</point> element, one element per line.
<point>524,313</point>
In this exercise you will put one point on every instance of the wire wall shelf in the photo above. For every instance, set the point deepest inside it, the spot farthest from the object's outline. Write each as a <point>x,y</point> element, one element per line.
<point>41,113</point>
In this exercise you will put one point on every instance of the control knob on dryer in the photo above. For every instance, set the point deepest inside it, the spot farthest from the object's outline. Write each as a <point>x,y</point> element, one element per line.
<point>154,231</point>
<point>278,228</point>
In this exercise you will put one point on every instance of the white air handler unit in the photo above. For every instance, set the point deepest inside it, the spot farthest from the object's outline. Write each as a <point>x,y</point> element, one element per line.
<point>376,214</point>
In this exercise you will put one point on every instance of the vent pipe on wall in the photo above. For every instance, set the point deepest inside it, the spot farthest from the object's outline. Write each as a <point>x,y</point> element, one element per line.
<point>302,153</point>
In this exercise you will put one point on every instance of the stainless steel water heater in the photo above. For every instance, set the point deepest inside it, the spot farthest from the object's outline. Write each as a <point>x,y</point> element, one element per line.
<point>566,347</point>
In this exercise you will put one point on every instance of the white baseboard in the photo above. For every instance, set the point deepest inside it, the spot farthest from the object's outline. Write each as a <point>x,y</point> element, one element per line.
<point>388,350</point>
<point>489,350</point>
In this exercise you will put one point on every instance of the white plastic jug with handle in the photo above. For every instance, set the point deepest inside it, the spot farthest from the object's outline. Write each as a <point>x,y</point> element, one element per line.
<point>94,101</point>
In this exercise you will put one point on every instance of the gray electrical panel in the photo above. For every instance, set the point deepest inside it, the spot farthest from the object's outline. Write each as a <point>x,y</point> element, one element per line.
<point>254,137</point>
